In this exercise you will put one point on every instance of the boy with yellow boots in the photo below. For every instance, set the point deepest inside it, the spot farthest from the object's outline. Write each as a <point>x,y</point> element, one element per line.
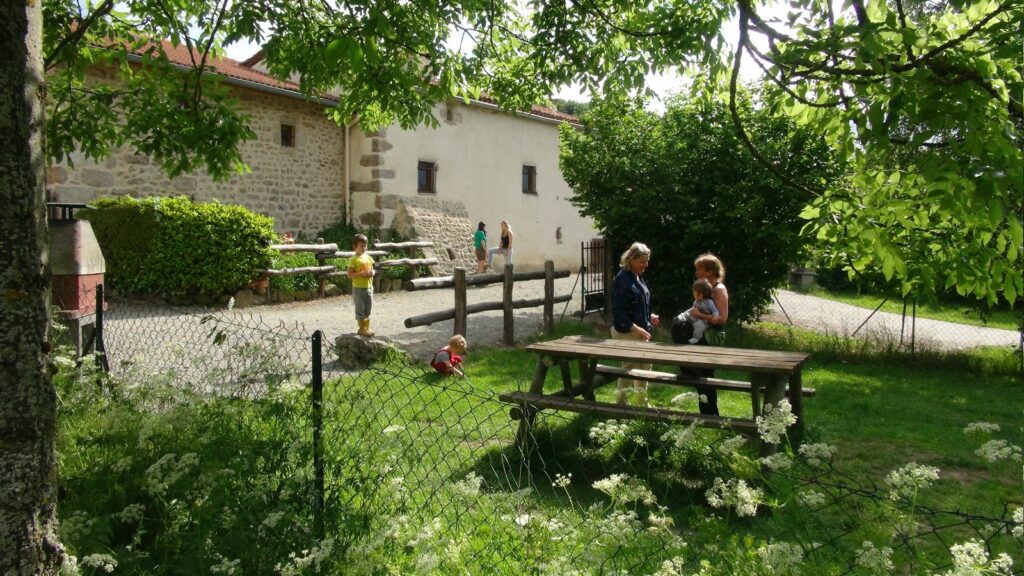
<point>360,272</point>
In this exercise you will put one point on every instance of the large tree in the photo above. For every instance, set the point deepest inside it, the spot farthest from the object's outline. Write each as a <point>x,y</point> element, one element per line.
<point>682,183</point>
<point>28,474</point>
<point>923,98</point>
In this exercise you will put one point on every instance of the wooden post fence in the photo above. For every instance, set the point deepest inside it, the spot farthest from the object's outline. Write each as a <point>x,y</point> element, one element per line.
<point>508,278</point>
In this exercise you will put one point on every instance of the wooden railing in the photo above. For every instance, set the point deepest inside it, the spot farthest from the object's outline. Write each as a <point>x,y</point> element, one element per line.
<point>461,311</point>
<point>324,252</point>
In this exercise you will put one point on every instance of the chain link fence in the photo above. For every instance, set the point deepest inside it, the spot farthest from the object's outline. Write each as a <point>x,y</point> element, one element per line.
<point>393,465</point>
<point>905,330</point>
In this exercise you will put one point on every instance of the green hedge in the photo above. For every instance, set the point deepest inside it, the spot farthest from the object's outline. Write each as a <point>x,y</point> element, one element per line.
<point>176,247</point>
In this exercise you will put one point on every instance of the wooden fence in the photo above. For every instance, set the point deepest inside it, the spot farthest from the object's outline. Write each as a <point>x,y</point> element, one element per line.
<point>324,252</point>
<point>459,313</point>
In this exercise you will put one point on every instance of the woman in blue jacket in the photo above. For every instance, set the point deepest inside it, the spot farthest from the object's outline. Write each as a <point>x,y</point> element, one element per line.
<point>631,314</point>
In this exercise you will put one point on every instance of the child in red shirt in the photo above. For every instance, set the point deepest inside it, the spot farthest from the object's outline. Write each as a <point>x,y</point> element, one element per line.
<point>447,360</point>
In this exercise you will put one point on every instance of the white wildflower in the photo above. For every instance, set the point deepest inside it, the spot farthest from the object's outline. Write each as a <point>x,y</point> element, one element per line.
<point>736,494</point>
<point>470,487</point>
<point>393,429</point>
<point>562,481</point>
<point>692,483</point>
<point>225,566</point>
<point>426,533</point>
<point>730,446</point>
<point>817,453</point>
<point>811,498</point>
<point>776,419</point>
<point>104,562</point>
<point>167,470</point>
<point>231,303</point>
<point>907,481</point>
<point>522,520</point>
<point>1018,522</point>
<point>971,558</point>
<point>623,488</point>
<point>673,567</point>
<point>777,461</point>
<point>609,431</point>
<point>981,428</point>
<point>781,558</point>
<point>131,513</point>
<point>875,560</point>
<point>618,526</point>
<point>680,436</point>
<point>996,450</point>
<point>660,521</point>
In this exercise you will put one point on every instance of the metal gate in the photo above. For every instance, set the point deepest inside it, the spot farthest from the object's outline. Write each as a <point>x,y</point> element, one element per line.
<point>594,274</point>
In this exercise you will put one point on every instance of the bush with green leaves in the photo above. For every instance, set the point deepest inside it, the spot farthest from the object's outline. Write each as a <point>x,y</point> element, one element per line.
<point>175,247</point>
<point>296,282</point>
<point>683,184</point>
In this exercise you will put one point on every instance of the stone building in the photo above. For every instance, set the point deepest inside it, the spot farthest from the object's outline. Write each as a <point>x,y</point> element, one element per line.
<point>480,164</point>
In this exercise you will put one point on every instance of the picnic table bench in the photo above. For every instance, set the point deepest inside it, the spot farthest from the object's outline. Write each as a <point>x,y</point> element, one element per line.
<point>773,376</point>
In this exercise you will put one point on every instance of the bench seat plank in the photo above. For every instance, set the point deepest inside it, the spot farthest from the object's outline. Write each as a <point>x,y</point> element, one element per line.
<point>609,410</point>
<point>668,378</point>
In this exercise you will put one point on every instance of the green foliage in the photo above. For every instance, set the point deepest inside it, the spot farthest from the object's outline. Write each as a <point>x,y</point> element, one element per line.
<point>296,282</point>
<point>682,184</point>
<point>177,247</point>
<point>184,120</point>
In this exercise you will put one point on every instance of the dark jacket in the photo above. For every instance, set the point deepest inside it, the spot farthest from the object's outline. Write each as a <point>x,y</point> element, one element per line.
<point>631,302</point>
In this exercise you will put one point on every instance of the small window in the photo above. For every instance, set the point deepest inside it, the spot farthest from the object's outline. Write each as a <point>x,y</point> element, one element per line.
<point>287,135</point>
<point>425,178</point>
<point>529,179</point>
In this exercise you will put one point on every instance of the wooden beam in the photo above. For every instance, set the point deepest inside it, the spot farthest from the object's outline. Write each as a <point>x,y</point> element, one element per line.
<point>508,336</point>
<point>304,270</point>
<point>475,280</point>
<point>304,247</point>
<point>401,245</point>
<point>460,302</point>
<point>442,315</point>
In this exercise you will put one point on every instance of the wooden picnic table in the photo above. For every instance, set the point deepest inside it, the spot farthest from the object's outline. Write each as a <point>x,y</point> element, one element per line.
<point>773,375</point>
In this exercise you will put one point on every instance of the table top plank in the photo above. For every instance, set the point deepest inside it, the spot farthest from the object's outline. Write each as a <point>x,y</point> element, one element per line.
<point>763,361</point>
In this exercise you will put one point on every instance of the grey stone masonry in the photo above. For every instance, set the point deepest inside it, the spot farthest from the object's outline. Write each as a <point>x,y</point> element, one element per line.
<point>300,186</point>
<point>446,223</point>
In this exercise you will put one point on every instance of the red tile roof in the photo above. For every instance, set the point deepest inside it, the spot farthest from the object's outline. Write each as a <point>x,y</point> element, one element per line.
<point>244,71</point>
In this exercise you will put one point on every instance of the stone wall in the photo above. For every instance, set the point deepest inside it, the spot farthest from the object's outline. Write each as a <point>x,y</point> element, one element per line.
<point>447,224</point>
<point>301,187</point>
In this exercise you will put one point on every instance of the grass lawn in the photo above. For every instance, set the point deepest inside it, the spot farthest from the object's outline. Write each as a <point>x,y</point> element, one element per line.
<point>1004,318</point>
<point>422,474</point>
<point>880,413</point>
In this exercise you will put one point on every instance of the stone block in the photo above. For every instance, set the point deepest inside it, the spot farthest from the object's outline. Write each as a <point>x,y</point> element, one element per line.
<point>97,178</point>
<point>356,352</point>
<point>371,219</point>
<point>244,298</point>
<point>140,159</point>
<point>373,186</point>
<point>184,184</point>
<point>383,174</point>
<point>380,145</point>
<point>370,160</point>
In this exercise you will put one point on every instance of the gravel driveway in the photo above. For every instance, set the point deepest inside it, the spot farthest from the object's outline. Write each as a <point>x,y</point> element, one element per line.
<point>843,319</point>
<point>336,315</point>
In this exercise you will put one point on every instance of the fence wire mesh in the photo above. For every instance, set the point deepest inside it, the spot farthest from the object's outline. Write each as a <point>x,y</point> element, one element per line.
<point>394,468</point>
<point>890,324</point>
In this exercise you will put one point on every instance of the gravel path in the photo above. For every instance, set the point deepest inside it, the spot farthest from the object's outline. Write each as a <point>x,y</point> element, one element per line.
<point>336,315</point>
<point>843,319</point>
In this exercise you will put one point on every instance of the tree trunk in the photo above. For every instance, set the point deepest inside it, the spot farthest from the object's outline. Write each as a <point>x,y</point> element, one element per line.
<point>28,413</point>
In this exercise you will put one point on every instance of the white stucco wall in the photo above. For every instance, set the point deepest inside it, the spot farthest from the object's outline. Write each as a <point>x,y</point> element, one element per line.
<point>480,154</point>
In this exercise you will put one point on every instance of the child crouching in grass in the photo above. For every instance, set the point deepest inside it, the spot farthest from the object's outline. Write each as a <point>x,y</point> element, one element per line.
<point>448,360</point>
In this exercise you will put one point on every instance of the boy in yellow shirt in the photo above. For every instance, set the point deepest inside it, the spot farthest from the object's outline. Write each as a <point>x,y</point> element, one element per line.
<point>360,272</point>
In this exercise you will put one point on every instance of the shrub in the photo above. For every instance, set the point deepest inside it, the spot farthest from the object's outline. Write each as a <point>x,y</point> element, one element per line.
<point>683,184</point>
<point>298,281</point>
<point>177,247</point>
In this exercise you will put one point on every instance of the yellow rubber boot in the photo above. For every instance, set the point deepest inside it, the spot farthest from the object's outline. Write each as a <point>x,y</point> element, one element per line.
<point>364,328</point>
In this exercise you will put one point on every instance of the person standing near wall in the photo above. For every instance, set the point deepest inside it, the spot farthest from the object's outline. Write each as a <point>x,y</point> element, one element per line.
<point>480,247</point>
<point>505,248</point>
<point>631,314</point>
